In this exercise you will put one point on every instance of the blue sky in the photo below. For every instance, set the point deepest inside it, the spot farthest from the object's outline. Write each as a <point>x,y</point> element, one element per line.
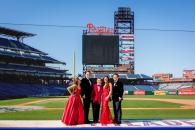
<point>155,52</point>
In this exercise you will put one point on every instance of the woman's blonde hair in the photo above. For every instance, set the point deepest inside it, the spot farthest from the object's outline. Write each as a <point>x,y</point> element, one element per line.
<point>75,83</point>
<point>75,80</point>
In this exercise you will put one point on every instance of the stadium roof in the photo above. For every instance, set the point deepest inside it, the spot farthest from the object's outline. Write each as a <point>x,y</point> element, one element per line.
<point>44,58</point>
<point>17,49</point>
<point>14,33</point>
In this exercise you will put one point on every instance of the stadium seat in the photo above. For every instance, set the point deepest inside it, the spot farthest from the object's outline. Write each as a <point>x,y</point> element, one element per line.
<point>8,90</point>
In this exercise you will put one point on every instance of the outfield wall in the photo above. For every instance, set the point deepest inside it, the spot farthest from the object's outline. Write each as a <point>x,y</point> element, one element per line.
<point>180,92</point>
<point>186,91</point>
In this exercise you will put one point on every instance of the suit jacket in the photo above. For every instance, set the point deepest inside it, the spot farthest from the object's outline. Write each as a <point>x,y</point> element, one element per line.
<point>117,91</point>
<point>86,88</point>
<point>96,96</point>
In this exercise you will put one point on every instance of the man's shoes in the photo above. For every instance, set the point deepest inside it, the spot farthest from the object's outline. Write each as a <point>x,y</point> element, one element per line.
<point>95,122</point>
<point>117,122</point>
<point>87,122</point>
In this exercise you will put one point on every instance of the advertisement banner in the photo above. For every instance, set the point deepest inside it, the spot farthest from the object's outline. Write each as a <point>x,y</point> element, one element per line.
<point>186,91</point>
<point>159,93</point>
<point>172,93</point>
<point>139,92</point>
<point>127,36</point>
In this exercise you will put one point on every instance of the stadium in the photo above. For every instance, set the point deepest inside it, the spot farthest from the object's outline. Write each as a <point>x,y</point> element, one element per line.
<point>33,94</point>
<point>23,68</point>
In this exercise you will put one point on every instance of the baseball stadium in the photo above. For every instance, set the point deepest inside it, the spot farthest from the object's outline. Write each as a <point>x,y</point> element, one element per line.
<point>33,94</point>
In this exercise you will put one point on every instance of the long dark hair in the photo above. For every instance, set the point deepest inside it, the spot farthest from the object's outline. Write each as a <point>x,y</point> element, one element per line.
<point>107,78</point>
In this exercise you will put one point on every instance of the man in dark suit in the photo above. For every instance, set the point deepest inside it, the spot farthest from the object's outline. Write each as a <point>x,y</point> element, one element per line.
<point>117,96</point>
<point>96,99</point>
<point>86,89</point>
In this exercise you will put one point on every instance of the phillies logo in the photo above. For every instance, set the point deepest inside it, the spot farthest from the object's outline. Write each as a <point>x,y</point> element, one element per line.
<point>92,29</point>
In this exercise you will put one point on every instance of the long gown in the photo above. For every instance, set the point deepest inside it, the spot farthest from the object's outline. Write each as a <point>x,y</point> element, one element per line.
<point>105,117</point>
<point>73,111</point>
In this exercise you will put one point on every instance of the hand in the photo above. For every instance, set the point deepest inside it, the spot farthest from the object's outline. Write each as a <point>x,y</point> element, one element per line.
<point>83,96</point>
<point>106,98</point>
<point>119,98</point>
<point>72,94</point>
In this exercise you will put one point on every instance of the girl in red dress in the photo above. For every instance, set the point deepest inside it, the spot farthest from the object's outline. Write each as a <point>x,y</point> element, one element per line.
<point>106,117</point>
<point>73,112</point>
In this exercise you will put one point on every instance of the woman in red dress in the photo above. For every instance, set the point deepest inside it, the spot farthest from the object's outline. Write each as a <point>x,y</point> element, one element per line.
<point>73,112</point>
<point>106,117</point>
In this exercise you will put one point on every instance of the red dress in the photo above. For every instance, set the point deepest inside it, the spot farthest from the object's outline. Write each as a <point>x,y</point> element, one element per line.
<point>73,112</point>
<point>105,117</point>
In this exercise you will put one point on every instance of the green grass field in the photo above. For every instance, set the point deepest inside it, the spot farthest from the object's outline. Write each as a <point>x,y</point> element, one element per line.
<point>58,103</point>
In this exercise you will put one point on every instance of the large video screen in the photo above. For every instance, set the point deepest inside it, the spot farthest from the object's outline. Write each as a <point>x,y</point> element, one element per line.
<point>100,50</point>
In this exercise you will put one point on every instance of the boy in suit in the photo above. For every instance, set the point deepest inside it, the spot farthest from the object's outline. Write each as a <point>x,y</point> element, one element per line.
<point>96,99</point>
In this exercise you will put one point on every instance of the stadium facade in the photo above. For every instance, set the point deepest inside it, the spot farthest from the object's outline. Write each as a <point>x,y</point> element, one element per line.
<point>23,69</point>
<point>188,76</point>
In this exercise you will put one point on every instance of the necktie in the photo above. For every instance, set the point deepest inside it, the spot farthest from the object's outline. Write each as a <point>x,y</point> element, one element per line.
<point>114,83</point>
<point>89,82</point>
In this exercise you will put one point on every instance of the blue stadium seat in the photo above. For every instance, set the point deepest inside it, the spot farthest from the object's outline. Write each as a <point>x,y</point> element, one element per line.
<point>129,88</point>
<point>101,75</point>
<point>19,46</point>
<point>25,68</point>
<point>123,76</point>
<point>8,90</point>
<point>141,87</point>
<point>9,53</point>
<point>13,44</point>
<point>4,43</point>
<point>28,56</point>
<point>138,76</point>
<point>175,86</point>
